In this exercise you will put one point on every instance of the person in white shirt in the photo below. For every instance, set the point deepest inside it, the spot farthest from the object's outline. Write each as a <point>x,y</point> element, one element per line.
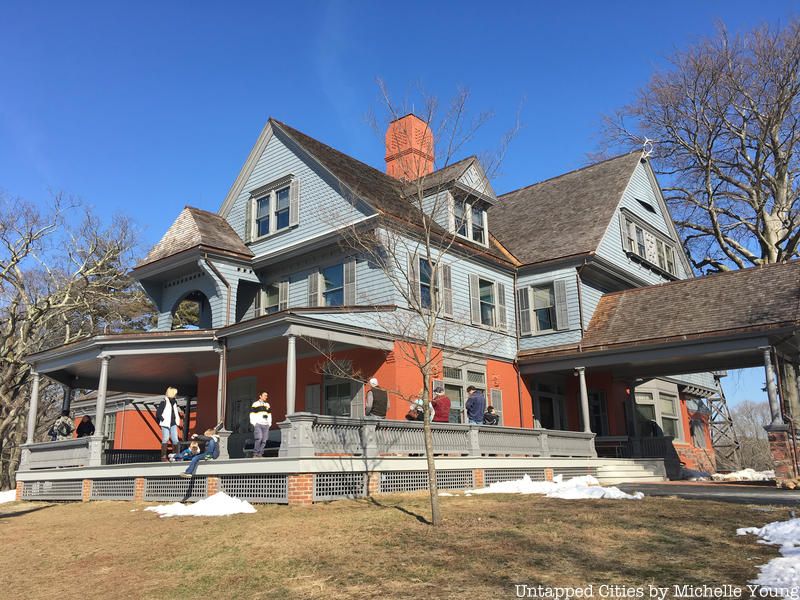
<point>261,420</point>
<point>168,417</point>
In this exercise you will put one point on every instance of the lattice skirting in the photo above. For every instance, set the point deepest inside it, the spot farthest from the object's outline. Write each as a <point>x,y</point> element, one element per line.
<point>256,488</point>
<point>174,488</point>
<point>70,489</point>
<point>409,481</point>
<point>332,486</point>
<point>494,475</point>
<point>113,489</point>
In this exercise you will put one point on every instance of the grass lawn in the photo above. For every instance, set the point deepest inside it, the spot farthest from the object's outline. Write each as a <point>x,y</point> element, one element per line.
<point>365,549</point>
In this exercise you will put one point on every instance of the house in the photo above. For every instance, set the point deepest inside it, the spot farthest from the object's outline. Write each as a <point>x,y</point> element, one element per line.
<point>544,294</point>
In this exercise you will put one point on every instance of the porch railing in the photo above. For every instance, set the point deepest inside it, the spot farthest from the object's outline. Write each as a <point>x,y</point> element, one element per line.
<point>80,452</point>
<point>307,435</point>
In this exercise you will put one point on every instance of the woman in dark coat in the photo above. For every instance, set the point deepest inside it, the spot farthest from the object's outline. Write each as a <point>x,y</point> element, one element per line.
<point>85,427</point>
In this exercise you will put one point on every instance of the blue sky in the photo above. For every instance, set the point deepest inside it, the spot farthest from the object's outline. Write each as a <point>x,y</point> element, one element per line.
<point>141,108</point>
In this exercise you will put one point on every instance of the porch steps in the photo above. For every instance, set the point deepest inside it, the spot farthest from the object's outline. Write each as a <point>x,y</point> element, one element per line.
<point>631,471</point>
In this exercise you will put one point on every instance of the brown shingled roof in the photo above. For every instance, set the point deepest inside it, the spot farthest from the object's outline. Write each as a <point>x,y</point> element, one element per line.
<point>760,297</point>
<point>195,227</point>
<point>563,216</point>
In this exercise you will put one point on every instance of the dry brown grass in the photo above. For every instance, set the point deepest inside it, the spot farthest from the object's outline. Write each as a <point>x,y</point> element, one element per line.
<point>362,549</point>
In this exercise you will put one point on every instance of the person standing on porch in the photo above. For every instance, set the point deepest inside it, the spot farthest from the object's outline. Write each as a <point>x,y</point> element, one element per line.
<point>169,419</point>
<point>441,406</point>
<point>476,404</point>
<point>377,401</point>
<point>261,420</point>
<point>85,427</point>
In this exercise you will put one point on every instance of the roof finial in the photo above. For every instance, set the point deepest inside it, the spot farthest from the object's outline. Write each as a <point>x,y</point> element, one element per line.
<point>647,148</point>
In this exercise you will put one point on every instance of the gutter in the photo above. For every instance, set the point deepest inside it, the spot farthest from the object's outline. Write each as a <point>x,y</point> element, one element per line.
<point>224,281</point>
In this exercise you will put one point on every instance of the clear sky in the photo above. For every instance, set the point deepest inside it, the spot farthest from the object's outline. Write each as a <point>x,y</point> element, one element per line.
<point>143,107</point>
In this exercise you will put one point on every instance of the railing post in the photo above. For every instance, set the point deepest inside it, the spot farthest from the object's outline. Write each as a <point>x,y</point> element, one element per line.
<point>297,439</point>
<point>545,442</point>
<point>369,436</point>
<point>96,450</point>
<point>474,440</point>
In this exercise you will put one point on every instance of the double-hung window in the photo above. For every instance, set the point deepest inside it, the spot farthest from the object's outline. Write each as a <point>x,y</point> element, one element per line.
<point>272,208</point>
<point>658,414</point>
<point>425,284</point>
<point>649,245</point>
<point>669,414</point>
<point>333,285</point>
<point>543,308</point>
<point>430,284</point>
<point>272,298</point>
<point>666,256</point>
<point>469,221</point>
<point>636,240</point>
<point>487,302</point>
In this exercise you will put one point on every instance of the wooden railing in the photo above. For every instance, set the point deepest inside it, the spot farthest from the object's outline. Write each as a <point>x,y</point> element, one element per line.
<point>307,435</point>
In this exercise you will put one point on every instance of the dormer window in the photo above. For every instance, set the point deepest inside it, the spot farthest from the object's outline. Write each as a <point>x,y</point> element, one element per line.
<point>469,221</point>
<point>648,246</point>
<point>273,208</point>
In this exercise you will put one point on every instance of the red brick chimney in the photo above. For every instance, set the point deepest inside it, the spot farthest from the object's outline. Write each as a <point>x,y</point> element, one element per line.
<point>409,148</point>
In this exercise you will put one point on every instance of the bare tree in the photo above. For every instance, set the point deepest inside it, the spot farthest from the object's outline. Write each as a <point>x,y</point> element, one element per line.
<point>749,420</point>
<point>62,276</point>
<point>724,122</point>
<point>415,254</point>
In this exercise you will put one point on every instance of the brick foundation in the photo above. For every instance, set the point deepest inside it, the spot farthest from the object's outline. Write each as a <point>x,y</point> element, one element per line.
<point>138,489</point>
<point>20,487</point>
<point>781,449</point>
<point>86,492</point>
<point>477,478</point>
<point>548,474</point>
<point>700,459</point>
<point>373,483</point>
<point>301,489</point>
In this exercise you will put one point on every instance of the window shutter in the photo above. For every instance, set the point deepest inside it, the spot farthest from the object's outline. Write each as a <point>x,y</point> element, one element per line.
<point>283,295</point>
<point>451,213</point>
<point>562,315</point>
<point>413,279</point>
<point>496,399</point>
<point>524,310</point>
<point>294,202</point>
<point>350,282</point>
<point>446,289</point>
<point>313,289</point>
<point>248,220</point>
<point>474,299</point>
<point>500,292</point>
<point>258,302</point>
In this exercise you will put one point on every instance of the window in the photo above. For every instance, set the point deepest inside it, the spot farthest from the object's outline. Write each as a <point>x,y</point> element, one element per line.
<point>333,285</point>
<point>425,290</point>
<point>669,414</point>
<point>649,245</point>
<point>598,413</point>
<point>469,221</point>
<point>657,414</point>
<point>544,308</point>
<point>549,409</point>
<point>272,298</point>
<point>273,208</point>
<point>698,429</point>
<point>487,302</point>
<point>666,257</point>
<point>338,395</point>
<point>456,380</point>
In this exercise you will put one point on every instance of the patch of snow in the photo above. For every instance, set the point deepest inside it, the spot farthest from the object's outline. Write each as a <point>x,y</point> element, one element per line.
<point>782,573</point>
<point>218,505</point>
<point>577,488</point>
<point>744,475</point>
<point>8,496</point>
<point>446,494</point>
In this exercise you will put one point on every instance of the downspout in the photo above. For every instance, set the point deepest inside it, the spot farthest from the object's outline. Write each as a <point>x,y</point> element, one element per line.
<point>516,361</point>
<point>580,298</point>
<point>224,281</point>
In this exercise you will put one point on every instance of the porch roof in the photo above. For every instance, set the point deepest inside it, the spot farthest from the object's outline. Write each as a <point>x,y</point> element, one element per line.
<point>688,326</point>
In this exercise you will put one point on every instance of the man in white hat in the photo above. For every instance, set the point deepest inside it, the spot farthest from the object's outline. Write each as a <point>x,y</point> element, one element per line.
<point>377,401</point>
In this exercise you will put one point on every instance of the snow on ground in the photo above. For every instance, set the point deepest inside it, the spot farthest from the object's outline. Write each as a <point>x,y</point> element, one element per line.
<point>577,488</point>
<point>218,505</point>
<point>745,475</point>
<point>8,496</point>
<point>782,573</point>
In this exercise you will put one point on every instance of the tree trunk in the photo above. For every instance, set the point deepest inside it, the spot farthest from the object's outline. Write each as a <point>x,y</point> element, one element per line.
<point>436,516</point>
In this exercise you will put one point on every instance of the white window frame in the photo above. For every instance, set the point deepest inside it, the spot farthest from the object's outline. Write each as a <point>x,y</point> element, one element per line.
<point>269,193</point>
<point>464,381</point>
<point>655,402</point>
<point>282,295</point>
<point>559,398</point>
<point>468,221</point>
<point>493,286</point>
<point>532,303</point>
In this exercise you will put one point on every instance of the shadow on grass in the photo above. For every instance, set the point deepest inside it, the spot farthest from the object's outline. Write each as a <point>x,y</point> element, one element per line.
<point>375,502</point>
<point>19,513</point>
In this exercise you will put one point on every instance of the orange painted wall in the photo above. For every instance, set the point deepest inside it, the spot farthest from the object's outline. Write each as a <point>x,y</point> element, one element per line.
<point>504,375</point>
<point>132,431</point>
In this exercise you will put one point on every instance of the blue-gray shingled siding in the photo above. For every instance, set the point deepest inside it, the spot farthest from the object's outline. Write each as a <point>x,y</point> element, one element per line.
<point>611,246</point>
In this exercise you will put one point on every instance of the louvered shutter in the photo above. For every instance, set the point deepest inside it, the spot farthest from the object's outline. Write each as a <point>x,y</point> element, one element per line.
<point>524,310</point>
<point>496,396</point>
<point>283,295</point>
<point>474,299</point>
<point>294,202</point>
<point>248,220</point>
<point>502,319</point>
<point>562,314</point>
<point>413,280</point>
<point>313,289</point>
<point>350,282</point>
<point>446,289</point>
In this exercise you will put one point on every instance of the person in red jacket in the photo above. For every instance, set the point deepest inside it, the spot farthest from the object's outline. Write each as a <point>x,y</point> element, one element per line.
<point>441,406</point>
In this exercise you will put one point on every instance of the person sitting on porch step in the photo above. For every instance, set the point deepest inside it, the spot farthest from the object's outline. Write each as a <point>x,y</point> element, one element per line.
<point>169,419</point>
<point>211,440</point>
<point>86,427</point>
<point>188,454</point>
<point>490,417</point>
<point>261,420</point>
<point>63,427</point>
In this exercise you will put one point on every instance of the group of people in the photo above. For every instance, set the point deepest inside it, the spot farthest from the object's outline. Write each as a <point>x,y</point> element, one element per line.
<point>64,427</point>
<point>477,411</point>
<point>201,447</point>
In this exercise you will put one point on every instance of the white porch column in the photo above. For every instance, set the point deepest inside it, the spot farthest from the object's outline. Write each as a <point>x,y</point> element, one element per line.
<point>581,373</point>
<point>33,407</point>
<point>291,379</point>
<point>772,391</point>
<point>222,383</point>
<point>102,389</point>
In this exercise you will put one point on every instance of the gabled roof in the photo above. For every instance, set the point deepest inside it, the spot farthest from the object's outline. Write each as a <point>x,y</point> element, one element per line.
<point>563,216</point>
<point>755,298</point>
<point>194,228</point>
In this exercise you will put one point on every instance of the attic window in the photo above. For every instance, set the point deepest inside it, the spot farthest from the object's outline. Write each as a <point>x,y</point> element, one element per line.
<point>647,206</point>
<point>469,221</point>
